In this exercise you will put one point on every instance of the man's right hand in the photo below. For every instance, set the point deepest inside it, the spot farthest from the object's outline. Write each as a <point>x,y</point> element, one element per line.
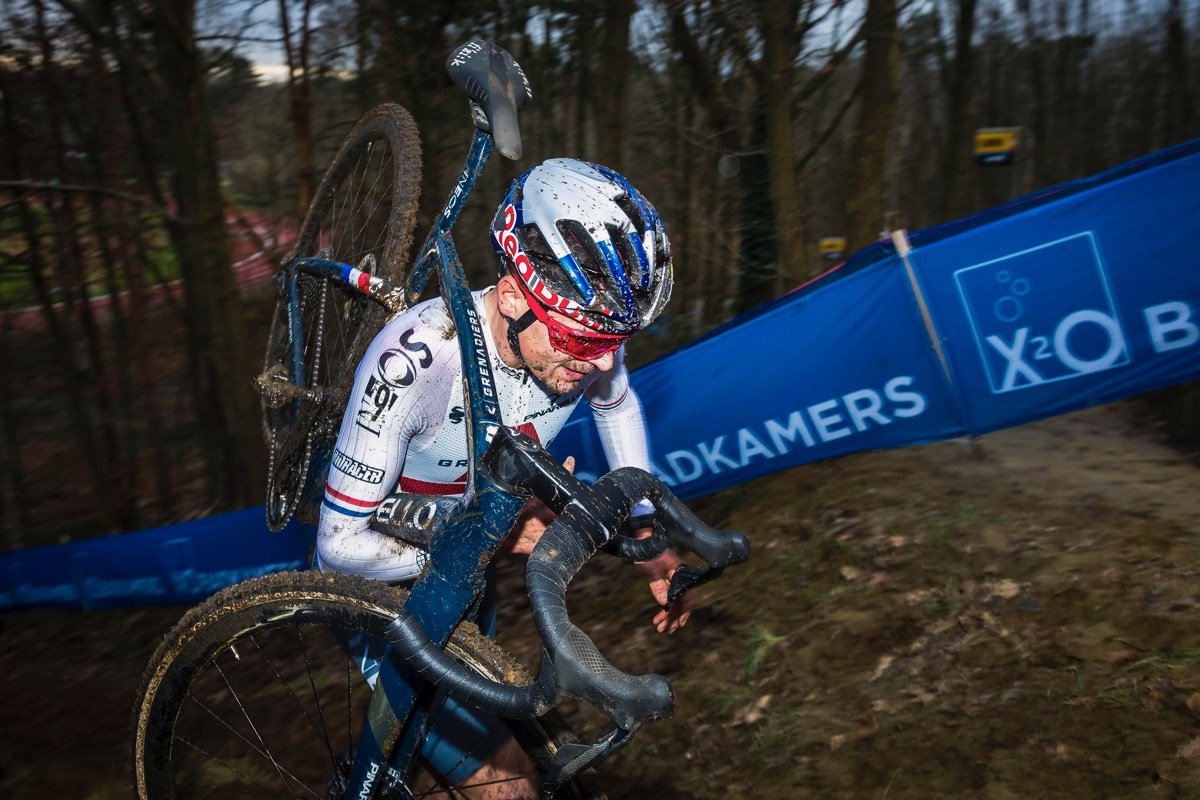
<point>532,522</point>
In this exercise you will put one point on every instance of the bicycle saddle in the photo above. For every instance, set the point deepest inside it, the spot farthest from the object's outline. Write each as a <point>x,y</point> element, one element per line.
<point>495,83</point>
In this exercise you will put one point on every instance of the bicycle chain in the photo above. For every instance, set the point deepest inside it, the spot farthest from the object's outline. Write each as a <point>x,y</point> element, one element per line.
<point>317,395</point>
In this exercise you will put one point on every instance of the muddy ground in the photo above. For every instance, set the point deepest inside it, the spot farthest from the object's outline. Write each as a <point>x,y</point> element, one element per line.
<point>1010,617</point>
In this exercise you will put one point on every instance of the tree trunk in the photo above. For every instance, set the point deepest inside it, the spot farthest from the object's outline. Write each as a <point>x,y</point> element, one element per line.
<point>957,81</point>
<point>582,48</point>
<point>1177,122</point>
<point>758,257</point>
<point>299,86</point>
<point>1038,112</point>
<point>12,497</point>
<point>864,206</point>
<point>614,66</point>
<point>778,32</point>
<point>223,363</point>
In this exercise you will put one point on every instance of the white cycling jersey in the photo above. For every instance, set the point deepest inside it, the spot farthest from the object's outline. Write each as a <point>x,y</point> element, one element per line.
<point>403,432</point>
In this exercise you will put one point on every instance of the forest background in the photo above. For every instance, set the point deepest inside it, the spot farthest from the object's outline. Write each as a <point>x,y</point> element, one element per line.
<point>141,143</point>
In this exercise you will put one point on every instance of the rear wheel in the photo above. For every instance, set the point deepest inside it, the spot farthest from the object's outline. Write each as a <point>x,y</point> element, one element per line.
<point>363,214</point>
<point>254,693</point>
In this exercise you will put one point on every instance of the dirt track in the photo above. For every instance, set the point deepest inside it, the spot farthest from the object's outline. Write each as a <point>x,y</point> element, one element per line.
<point>1009,618</point>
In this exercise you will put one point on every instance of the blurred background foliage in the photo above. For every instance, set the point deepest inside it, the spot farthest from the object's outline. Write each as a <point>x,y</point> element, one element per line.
<point>144,142</point>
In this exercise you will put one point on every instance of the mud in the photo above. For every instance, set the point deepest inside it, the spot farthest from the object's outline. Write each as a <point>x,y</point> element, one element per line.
<point>1009,617</point>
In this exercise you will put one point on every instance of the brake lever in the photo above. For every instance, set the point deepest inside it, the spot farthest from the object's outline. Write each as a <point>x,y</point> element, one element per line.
<point>719,549</point>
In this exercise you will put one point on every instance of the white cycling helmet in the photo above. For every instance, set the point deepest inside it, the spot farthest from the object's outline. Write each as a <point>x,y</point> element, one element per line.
<point>587,244</point>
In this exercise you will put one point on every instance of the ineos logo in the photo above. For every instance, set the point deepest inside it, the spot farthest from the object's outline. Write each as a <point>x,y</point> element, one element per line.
<point>396,367</point>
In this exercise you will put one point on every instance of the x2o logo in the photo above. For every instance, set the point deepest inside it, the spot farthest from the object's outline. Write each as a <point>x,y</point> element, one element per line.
<point>1044,314</point>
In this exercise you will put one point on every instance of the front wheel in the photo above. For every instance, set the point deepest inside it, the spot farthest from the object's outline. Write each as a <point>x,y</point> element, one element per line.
<point>255,692</point>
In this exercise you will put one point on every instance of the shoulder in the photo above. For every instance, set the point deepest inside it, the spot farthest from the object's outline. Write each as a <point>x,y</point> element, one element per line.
<point>410,367</point>
<point>420,336</point>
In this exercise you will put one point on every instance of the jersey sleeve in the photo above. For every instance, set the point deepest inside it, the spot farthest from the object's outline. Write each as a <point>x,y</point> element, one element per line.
<point>619,418</point>
<point>398,388</point>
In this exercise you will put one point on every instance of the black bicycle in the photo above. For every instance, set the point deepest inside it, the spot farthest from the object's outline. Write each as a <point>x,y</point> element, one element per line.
<point>265,689</point>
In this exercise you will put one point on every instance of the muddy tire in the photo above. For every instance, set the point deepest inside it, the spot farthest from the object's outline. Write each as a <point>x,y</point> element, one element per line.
<point>253,691</point>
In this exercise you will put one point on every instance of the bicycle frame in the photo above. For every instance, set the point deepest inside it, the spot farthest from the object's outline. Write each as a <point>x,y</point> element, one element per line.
<point>504,467</point>
<point>461,551</point>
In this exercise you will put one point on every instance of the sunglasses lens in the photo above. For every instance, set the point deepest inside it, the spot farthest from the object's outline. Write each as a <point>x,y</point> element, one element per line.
<point>581,346</point>
<point>565,340</point>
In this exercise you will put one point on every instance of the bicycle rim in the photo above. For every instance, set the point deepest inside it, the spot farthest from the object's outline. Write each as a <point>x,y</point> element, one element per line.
<point>252,693</point>
<point>362,214</point>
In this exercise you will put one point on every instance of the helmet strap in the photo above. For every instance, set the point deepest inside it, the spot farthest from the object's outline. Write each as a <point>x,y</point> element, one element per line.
<point>515,328</point>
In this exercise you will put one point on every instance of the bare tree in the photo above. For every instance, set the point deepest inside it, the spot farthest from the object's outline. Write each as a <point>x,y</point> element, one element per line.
<point>868,153</point>
<point>296,46</point>
<point>614,66</point>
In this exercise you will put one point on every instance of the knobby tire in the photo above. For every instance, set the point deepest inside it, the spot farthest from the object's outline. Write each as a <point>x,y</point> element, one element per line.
<point>223,657</point>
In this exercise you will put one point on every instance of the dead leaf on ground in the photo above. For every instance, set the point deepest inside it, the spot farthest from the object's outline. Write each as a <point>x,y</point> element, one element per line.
<point>752,713</point>
<point>884,663</point>
<point>1190,749</point>
<point>1118,657</point>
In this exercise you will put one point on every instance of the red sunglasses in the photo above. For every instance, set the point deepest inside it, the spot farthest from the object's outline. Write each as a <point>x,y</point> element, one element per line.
<point>575,343</point>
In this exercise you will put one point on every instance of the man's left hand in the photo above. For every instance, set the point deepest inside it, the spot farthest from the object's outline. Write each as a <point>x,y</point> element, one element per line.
<point>658,574</point>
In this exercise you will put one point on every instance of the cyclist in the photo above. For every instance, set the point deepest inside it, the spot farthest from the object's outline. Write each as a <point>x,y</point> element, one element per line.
<point>584,263</point>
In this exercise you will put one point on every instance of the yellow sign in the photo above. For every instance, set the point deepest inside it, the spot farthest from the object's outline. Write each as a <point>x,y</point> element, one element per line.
<point>832,248</point>
<point>997,145</point>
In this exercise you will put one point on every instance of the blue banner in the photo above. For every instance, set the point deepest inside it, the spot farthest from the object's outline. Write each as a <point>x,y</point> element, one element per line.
<point>182,563</point>
<point>1076,302</point>
<point>803,381</point>
<point>1077,295</point>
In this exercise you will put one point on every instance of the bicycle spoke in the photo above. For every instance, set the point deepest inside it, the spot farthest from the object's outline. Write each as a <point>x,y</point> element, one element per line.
<point>248,743</point>
<point>265,751</point>
<point>319,731</point>
<point>265,791</point>
<point>349,704</point>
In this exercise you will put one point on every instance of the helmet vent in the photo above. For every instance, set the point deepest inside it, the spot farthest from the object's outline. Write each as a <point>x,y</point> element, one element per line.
<point>626,204</point>
<point>587,254</point>
<point>533,243</point>
<point>634,268</point>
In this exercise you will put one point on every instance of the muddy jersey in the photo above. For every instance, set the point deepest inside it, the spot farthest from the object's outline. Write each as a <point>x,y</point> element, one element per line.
<point>401,453</point>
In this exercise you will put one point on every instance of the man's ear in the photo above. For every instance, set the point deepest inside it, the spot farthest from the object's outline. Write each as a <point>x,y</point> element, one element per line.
<point>509,298</point>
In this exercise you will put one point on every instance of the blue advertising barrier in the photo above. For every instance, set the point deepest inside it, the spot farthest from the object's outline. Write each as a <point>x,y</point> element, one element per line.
<point>1078,295</point>
<point>176,564</point>
<point>1075,296</point>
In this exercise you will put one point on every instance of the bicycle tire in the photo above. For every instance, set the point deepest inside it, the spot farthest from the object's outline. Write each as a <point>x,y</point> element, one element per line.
<point>363,214</point>
<point>198,665</point>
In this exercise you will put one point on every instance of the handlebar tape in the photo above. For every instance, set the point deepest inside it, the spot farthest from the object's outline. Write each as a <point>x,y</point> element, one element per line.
<point>627,700</point>
<point>413,644</point>
<point>587,519</point>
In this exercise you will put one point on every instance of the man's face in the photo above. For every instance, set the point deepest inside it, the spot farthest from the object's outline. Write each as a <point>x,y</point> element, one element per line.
<point>559,371</point>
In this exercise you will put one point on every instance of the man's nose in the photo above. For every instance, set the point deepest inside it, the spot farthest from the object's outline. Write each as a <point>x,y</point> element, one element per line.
<point>605,362</point>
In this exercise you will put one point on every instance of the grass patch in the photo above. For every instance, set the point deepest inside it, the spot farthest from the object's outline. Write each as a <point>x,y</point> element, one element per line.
<point>1166,661</point>
<point>760,643</point>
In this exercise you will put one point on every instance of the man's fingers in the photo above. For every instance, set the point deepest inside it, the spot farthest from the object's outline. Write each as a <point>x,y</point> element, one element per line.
<point>660,589</point>
<point>569,463</point>
<point>666,622</point>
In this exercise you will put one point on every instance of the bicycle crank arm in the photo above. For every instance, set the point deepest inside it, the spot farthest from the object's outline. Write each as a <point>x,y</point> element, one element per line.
<point>277,389</point>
